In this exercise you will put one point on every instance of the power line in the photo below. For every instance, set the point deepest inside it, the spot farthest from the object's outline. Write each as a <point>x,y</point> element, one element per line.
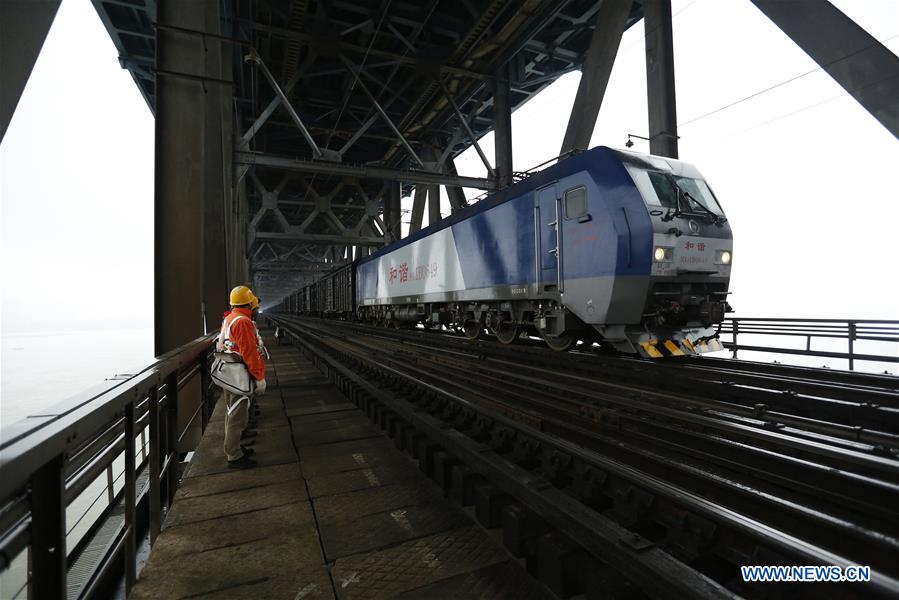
<point>782,83</point>
<point>810,106</point>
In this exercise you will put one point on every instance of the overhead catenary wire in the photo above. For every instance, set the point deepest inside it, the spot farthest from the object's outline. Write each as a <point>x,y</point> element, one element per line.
<point>810,106</point>
<point>784,82</point>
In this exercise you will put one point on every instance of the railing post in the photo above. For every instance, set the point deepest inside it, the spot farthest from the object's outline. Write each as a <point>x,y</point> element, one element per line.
<point>130,501</point>
<point>110,485</point>
<point>852,333</point>
<point>205,380</point>
<point>155,454</point>
<point>171,428</point>
<point>736,330</point>
<point>48,531</point>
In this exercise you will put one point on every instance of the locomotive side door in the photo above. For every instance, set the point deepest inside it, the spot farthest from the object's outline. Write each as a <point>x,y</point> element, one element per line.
<point>546,217</point>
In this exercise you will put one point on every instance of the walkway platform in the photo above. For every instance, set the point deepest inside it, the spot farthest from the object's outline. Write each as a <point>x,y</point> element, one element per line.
<point>334,510</point>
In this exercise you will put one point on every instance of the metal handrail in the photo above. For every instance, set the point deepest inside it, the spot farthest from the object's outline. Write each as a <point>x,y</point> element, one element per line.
<point>851,330</point>
<point>49,459</point>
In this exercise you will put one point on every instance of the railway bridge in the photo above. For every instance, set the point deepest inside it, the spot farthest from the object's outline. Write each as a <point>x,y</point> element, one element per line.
<point>405,463</point>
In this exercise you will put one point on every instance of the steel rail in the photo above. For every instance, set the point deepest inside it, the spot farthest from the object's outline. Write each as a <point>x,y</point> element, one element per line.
<point>825,380</point>
<point>567,404</point>
<point>749,404</point>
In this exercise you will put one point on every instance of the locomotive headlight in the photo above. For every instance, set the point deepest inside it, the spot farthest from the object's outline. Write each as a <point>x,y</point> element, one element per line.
<point>723,257</point>
<point>662,254</point>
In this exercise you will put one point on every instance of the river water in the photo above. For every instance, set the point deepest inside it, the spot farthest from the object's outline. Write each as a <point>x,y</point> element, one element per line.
<point>38,370</point>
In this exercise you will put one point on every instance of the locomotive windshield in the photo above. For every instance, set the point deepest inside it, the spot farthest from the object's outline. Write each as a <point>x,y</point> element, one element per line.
<point>698,192</point>
<point>664,191</point>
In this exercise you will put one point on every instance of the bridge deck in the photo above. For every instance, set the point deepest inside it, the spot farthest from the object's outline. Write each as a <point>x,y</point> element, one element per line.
<point>333,510</point>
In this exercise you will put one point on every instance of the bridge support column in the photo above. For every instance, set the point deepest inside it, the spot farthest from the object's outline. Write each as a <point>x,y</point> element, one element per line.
<point>237,221</point>
<point>418,208</point>
<point>392,212</point>
<point>660,78</point>
<point>433,164</point>
<point>610,23</point>
<point>192,178</point>
<point>502,115</point>
<point>456,195</point>
<point>217,189</point>
<point>433,204</point>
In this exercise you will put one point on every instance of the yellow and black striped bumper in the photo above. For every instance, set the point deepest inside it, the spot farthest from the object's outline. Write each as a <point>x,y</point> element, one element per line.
<point>683,347</point>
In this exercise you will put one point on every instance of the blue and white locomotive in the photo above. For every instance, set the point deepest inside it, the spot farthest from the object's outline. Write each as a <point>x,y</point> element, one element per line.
<point>630,250</point>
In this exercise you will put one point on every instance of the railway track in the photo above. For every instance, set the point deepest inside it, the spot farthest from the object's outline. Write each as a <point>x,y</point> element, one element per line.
<point>856,407</point>
<point>696,478</point>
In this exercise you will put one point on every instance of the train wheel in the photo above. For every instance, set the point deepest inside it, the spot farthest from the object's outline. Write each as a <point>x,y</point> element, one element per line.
<point>506,333</point>
<point>560,343</point>
<point>472,329</point>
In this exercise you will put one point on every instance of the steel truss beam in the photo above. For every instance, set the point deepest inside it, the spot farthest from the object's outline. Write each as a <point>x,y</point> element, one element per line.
<point>323,211</point>
<point>25,26</point>
<point>863,66</point>
<point>329,45</point>
<point>254,58</point>
<point>304,267</point>
<point>604,44</point>
<point>361,171</point>
<point>464,122</point>
<point>352,69</point>
<point>319,238</point>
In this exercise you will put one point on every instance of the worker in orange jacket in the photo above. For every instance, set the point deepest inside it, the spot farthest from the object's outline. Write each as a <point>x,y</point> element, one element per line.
<point>239,336</point>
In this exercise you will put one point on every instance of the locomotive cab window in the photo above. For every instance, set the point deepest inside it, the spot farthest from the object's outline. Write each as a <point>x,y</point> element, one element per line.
<point>665,190</point>
<point>576,203</point>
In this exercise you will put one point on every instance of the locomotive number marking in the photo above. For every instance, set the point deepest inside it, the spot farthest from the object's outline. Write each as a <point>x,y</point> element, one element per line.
<point>519,290</point>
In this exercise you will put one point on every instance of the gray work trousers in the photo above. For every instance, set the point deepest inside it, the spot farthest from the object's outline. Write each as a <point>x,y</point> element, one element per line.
<point>236,415</point>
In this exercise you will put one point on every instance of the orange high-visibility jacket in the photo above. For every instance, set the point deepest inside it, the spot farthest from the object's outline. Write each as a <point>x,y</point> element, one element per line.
<point>243,341</point>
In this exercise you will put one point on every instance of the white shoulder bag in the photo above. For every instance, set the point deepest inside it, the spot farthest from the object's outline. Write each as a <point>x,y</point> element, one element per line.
<point>228,369</point>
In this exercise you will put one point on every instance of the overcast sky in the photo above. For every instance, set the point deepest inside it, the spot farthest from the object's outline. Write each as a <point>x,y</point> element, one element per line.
<point>76,184</point>
<point>804,173</point>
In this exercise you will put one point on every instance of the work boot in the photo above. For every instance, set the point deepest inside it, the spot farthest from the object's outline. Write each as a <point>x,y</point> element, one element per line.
<point>248,452</point>
<point>244,462</point>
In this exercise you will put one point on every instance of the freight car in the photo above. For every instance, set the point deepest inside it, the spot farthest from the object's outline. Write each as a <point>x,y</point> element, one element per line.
<point>633,251</point>
<point>332,296</point>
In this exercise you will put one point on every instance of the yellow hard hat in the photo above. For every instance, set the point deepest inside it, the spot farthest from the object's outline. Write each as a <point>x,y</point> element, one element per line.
<point>243,295</point>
